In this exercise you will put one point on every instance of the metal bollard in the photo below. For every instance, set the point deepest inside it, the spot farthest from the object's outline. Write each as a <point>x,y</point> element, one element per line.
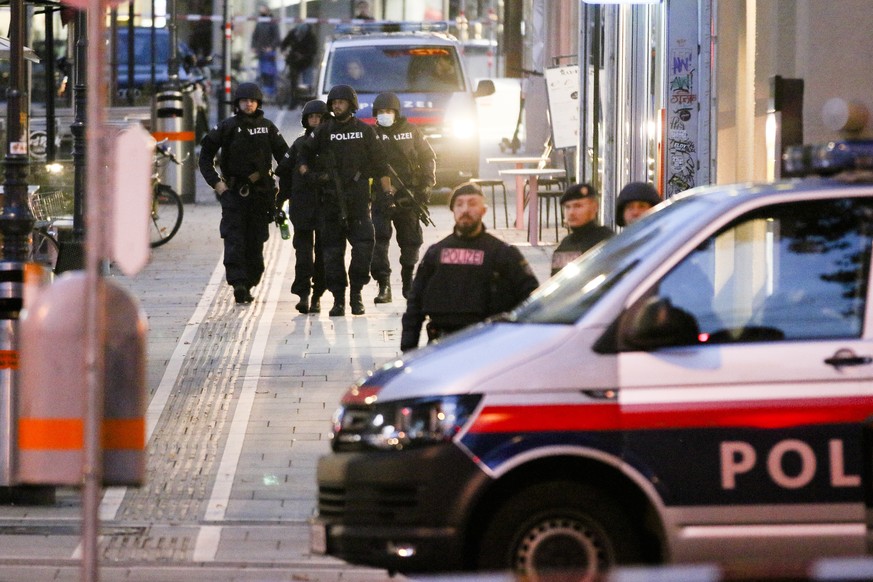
<point>173,120</point>
<point>11,300</point>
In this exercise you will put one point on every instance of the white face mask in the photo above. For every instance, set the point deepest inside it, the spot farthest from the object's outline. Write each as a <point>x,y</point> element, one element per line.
<point>385,119</point>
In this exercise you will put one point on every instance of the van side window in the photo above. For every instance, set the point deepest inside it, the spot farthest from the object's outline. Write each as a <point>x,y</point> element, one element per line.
<point>794,271</point>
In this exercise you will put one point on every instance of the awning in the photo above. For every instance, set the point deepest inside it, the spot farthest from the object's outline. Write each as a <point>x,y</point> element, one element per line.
<point>5,52</point>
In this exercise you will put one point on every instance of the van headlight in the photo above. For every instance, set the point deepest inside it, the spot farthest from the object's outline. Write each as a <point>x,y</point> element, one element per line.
<point>402,424</point>
<point>462,127</point>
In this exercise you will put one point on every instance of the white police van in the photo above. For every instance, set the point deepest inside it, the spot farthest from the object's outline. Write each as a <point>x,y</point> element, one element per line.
<point>691,390</point>
<point>421,63</point>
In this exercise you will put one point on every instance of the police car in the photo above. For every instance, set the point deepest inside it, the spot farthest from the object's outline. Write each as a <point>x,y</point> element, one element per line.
<point>691,390</point>
<point>419,62</point>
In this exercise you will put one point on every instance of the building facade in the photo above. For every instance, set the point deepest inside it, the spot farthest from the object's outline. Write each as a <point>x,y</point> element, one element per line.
<point>684,93</point>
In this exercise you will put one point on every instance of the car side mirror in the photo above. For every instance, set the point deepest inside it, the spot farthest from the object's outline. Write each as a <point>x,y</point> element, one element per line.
<point>484,88</point>
<point>657,323</point>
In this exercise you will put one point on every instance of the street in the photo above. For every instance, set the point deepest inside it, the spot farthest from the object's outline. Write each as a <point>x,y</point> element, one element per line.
<point>240,403</point>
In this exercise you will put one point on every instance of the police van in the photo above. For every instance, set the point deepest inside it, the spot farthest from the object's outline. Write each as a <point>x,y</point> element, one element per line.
<point>421,63</point>
<point>691,390</point>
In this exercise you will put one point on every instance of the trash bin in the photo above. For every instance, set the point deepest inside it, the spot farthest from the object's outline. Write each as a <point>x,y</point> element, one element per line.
<point>173,120</point>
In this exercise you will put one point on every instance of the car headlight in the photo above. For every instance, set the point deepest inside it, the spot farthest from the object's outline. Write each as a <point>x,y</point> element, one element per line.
<point>402,424</point>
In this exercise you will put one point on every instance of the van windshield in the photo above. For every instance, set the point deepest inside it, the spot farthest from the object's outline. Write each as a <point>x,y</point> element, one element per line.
<point>399,69</point>
<point>568,296</point>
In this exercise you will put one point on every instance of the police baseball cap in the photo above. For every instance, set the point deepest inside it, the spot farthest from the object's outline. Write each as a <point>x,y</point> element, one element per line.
<point>465,189</point>
<point>578,192</point>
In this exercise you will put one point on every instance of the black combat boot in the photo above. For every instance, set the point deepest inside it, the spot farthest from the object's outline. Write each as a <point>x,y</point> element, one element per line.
<point>339,305</point>
<point>241,294</point>
<point>315,304</point>
<point>356,302</point>
<point>384,295</point>
<point>303,305</point>
<point>406,274</point>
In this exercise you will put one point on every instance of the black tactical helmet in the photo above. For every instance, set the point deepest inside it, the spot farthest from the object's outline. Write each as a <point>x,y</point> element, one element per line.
<point>314,106</point>
<point>248,91</point>
<point>343,92</point>
<point>635,192</point>
<point>386,101</point>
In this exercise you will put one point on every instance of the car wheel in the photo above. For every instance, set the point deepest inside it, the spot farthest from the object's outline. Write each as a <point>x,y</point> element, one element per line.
<point>557,527</point>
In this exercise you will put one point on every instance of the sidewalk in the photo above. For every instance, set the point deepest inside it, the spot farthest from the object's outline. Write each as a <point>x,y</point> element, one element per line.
<point>240,405</point>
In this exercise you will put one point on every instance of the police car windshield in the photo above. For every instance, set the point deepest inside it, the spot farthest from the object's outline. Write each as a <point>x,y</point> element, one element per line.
<point>399,69</point>
<point>567,296</point>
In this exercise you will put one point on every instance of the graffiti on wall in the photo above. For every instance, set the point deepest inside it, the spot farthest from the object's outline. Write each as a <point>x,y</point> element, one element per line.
<point>682,121</point>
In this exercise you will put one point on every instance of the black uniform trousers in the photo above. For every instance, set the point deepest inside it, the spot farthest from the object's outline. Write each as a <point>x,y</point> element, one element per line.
<point>409,238</point>
<point>244,228</point>
<point>309,264</point>
<point>359,234</point>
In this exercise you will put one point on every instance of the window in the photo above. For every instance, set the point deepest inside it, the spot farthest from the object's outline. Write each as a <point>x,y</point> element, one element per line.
<point>789,272</point>
<point>401,69</point>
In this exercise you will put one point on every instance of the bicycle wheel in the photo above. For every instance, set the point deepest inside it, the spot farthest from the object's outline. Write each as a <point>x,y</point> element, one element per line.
<point>44,248</point>
<point>166,215</point>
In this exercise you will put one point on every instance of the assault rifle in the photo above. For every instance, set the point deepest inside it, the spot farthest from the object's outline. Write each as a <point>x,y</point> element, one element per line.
<point>420,209</point>
<point>332,185</point>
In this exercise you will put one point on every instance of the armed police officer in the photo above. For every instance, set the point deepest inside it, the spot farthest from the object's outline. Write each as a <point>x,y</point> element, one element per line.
<point>465,278</point>
<point>351,153</point>
<point>414,162</point>
<point>245,188</point>
<point>303,192</point>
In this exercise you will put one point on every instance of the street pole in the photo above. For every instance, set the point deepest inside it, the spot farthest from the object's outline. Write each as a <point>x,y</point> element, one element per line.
<point>16,220</point>
<point>50,84</point>
<point>224,101</point>
<point>72,253</point>
<point>173,64</point>
<point>95,287</point>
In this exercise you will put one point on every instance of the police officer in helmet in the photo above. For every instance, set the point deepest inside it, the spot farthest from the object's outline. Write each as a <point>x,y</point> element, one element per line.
<point>351,154</point>
<point>414,161</point>
<point>303,192</point>
<point>248,143</point>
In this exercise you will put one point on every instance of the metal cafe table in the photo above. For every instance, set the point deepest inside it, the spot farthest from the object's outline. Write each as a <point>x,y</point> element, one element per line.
<point>533,207</point>
<point>519,163</point>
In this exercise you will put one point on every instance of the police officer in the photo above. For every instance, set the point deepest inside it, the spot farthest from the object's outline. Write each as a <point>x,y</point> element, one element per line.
<point>351,153</point>
<point>580,205</point>
<point>245,188</point>
<point>413,159</point>
<point>466,277</point>
<point>634,200</point>
<point>303,192</point>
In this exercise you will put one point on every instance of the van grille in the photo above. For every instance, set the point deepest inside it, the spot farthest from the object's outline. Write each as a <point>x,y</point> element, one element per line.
<point>368,504</point>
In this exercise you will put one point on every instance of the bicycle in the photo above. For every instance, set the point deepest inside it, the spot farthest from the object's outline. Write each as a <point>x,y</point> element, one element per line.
<point>48,208</point>
<point>167,208</point>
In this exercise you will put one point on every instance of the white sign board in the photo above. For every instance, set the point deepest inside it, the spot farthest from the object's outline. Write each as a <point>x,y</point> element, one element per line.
<point>562,84</point>
<point>132,198</point>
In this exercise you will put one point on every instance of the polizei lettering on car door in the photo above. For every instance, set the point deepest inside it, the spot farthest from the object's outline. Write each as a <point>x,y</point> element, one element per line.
<point>738,458</point>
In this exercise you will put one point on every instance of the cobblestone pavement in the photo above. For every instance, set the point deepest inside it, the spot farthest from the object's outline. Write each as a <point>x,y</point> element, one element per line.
<point>239,409</point>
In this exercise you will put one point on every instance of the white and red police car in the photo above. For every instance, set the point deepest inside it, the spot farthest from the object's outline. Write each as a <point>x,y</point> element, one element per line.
<point>692,390</point>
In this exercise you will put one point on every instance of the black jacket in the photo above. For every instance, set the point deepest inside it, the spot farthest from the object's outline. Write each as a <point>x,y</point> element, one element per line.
<point>303,191</point>
<point>247,144</point>
<point>357,153</point>
<point>300,46</point>
<point>410,155</point>
<point>578,242</point>
<point>464,280</point>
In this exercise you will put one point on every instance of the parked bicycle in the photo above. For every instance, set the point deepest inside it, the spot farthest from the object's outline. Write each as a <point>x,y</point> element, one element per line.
<point>48,209</point>
<point>167,208</point>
